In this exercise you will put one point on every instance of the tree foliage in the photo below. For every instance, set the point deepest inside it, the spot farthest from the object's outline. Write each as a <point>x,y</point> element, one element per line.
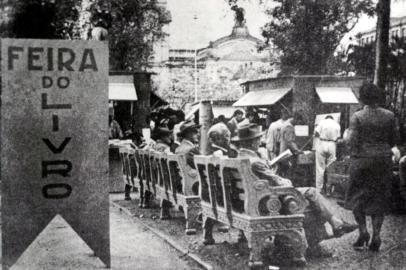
<point>47,19</point>
<point>308,31</point>
<point>134,27</point>
<point>361,59</point>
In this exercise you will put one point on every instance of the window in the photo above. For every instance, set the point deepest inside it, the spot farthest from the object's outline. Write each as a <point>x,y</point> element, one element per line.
<point>367,41</point>
<point>403,32</point>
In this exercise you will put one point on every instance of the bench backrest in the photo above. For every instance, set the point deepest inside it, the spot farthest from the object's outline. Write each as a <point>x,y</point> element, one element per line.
<point>129,170</point>
<point>144,156</point>
<point>229,184</point>
<point>154,167</point>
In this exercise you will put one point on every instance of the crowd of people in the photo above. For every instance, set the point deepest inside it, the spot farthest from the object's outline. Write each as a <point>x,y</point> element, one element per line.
<point>371,140</point>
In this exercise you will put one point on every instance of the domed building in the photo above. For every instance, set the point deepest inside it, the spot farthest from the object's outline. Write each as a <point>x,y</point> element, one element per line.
<point>220,67</point>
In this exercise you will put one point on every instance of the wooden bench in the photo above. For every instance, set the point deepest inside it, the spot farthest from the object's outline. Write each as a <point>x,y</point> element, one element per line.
<point>163,176</point>
<point>231,194</point>
<point>128,172</point>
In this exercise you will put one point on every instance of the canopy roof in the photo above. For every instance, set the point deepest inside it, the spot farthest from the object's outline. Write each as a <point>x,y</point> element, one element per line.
<point>121,87</point>
<point>262,98</point>
<point>340,95</point>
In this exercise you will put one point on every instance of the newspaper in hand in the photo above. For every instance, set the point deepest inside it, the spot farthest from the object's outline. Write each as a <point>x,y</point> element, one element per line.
<point>282,156</point>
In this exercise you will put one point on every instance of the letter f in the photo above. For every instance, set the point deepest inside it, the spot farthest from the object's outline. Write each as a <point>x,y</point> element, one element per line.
<point>12,55</point>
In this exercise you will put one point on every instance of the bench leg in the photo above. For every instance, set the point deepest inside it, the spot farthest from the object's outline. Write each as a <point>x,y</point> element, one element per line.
<point>208,231</point>
<point>191,214</point>
<point>147,199</point>
<point>127,191</point>
<point>142,196</point>
<point>256,244</point>
<point>241,237</point>
<point>165,209</point>
<point>298,237</point>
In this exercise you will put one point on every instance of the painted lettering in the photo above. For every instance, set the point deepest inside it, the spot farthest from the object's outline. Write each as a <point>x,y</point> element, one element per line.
<point>46,106</point>
<point>34,54</point>
<point>88,53</point>
<point>40,58</point>
<point>55,123</point>
<point>50,57</point>
<point>46,82</point>
<point>63,167</point>
<point>53,148</point>
<point>13,55</point>
<point>61,82</point>
<point>65,63</point>
<point>60,191</point>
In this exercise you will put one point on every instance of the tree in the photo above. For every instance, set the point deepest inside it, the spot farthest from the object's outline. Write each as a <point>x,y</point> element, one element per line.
<point>46,19</point>
<point>382,42</point>
<point>362,60</point>
<point>308,31</point>
<point>134,27</point>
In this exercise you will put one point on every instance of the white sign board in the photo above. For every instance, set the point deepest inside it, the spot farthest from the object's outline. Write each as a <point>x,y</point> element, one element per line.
<point>301,130</point>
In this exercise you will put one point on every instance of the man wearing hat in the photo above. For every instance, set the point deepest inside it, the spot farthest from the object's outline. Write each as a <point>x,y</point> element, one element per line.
<point>248,139</point>
<point>163,137</point>
<point>189,136</point>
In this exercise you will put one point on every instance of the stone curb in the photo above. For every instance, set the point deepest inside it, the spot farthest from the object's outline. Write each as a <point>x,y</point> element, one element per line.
<point>171,242</point>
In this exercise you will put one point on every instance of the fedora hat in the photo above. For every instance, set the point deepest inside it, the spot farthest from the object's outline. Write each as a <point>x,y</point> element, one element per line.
<point>187,126</point>
<point>247,131</point>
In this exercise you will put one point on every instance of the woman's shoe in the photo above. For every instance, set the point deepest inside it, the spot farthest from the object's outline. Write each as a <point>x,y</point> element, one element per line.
<point>361,242</point>
<point>375,244</point>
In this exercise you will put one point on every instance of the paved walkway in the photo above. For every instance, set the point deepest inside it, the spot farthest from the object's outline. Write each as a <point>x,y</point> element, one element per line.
<point>132,247</point>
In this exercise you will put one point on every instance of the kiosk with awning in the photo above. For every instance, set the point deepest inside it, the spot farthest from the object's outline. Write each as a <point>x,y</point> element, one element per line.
<point>309,96</point>
<point>130,94</point>
<point>129,101</point>
<point>262,97</point>
<point>122,95</point>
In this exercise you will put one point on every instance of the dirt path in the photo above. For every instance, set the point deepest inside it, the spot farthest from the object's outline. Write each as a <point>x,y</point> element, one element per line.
<point>132,247</point>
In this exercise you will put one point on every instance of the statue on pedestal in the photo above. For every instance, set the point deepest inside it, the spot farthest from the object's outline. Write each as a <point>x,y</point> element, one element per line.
<point>239,16</point>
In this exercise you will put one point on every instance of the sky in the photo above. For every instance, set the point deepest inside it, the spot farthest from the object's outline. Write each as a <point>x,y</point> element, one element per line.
<point>215,19</point>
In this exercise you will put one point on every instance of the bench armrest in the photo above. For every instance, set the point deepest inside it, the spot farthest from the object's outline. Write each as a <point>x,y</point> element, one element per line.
<point>264,199</point>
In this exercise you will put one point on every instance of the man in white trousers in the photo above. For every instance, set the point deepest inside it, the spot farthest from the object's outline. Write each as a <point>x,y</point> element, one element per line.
<point>327,131</point>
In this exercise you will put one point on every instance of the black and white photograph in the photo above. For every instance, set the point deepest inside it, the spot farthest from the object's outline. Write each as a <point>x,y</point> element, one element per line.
<point>203,134</point>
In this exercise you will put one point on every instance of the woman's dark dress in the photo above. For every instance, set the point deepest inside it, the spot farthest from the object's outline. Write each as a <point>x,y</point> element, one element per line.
<point>372,134</point>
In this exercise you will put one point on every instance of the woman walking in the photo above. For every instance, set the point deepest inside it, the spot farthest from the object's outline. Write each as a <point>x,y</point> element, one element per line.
<point>372,134</point>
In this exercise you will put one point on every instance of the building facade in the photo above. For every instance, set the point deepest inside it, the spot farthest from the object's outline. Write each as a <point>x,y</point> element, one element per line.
<point>397,29</point>
<point>220,68</point>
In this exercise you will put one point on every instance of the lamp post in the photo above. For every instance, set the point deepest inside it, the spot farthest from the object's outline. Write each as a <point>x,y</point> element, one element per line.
<point>195,66</point>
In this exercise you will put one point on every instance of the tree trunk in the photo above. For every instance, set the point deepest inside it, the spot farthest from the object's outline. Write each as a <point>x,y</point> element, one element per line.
<point>402,110</point>
<point>83,23</point>
<point>382,42</point>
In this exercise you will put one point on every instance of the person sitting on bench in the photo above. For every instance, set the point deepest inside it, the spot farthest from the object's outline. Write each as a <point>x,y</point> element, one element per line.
<point>247,140</point>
